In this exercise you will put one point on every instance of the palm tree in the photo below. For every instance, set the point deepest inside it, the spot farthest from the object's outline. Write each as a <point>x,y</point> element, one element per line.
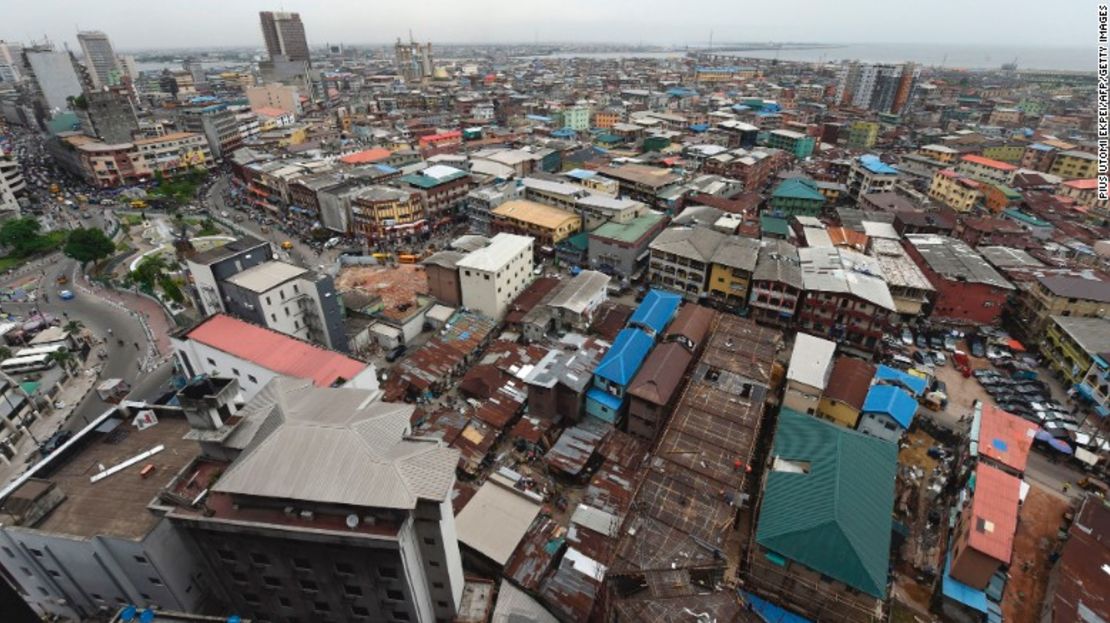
<point>73,328</point>
<point>64,358</point>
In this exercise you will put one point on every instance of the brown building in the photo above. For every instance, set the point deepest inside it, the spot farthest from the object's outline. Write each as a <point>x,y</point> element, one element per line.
<point>1073,585</point>
<point>984,534</point>
<point>557,384</point>
<point>443,277</point>
<point>654,387</point>
<point>989,231</point>
<point>941,222</point>
<point>690,326</point>
<point>846,390</point>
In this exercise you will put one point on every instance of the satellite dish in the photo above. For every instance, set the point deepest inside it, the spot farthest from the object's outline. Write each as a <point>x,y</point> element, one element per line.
<point>352,521</point>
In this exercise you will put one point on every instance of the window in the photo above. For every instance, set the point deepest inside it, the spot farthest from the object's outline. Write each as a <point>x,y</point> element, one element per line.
<point>141,560</point>
<point>239,576</point>
<point>303,564</point>
<point>25,571</point>
<point>321,606</point>
<point>53,573</point>
<point>271,581</point>
<point>352,590</point>
<point>273,317</point>
<point>267,300</point>
<point>345,568</point>
<point>286,311</point>
<point>388,572</point>
<point>401,616</point>
<point>285,603</point>
<point>226,555</point>
<point>437,584</point>
<point>9,552</point>
<point>251,378</point>
<point>43,591</point>
<point>308,585</point>
<point>433,563</point>
<point>441,604</point>
<point>296,290</point>
<point>260,559</point>
<point>235,371</point>
<point>360,611</point>
<point>394,594</point>
<point>251,598</point>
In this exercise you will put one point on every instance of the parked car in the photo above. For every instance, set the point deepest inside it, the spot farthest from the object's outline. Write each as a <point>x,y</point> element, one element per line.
<point>395,354</point>
<point>940,358</point>
<point>54,442</point>
<point>907,337</point>
<point>922,341</point>
<point>919,357</point>
<point>977,349</point>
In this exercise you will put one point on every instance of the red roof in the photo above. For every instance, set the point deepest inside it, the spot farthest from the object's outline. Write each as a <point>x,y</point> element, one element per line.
<point>990,162</point>
<point>1005,438</point>
<point>275,351</point>
<point>435,138</point>
<point>994,512</point>
<point>1088,184</point>
<point>270,111</point>
<point>365,156</point>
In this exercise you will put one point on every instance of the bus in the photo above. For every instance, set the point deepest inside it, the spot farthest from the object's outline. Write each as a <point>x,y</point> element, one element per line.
<point>31,363</point>
<point>40,350</point>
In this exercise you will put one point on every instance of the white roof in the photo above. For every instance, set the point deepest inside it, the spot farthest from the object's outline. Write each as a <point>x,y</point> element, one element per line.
<point>440,171</point>
<point>496,519</point>
<point>516,606</point>
<point>876,229</point>
<point>266,276</point>
<point>501,250</point>
<point>816,237</point>
<point>580,290</point>
<point>811,361</point>
<point>831,269</point>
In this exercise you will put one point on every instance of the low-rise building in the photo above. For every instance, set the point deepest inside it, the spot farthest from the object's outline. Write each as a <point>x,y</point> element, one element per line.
<point>955,191</point>
<point>908,285</point>
<point>811,364</point>
<point>985,169</point>
<point>558,383</point>
<point>681,259</point>
<point>730,273</point>
<point>492,276</point>
<point>983,540</point>
<point>968,288</point>
<point>829,485</point>
<point>776,284</point>
<point>869,174</point>
<point>1070,345</point>
<point>797,197</point>
<point>384,213</point>
<point>641,182</point>
<point>1081,565</point>
<point>654,388</point>
<point>846,298</point>
<point>577,299</point>
<point>548,225</point>
<point>622,248</point>
<point>1059,295</point>
<point>846,390</point>
<point>887,412</point>
<point>940,153</point>
<point>796,143</point>
<point>443,277</point>
<point>616,370</point>
<point>1072,165</point>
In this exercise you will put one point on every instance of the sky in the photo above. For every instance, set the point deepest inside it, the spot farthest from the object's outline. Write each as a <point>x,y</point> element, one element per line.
<point>146,24</point>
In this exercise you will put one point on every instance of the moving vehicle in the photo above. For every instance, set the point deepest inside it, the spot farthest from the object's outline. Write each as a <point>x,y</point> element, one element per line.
<point>66,295</point>
<point>331,242</point>
<point>287,245</point>
<point>30,363</point>
<point>113,390</point>
<point>408,258</point>
<point>1094,485</point>
<point>55,189</point>
<point>138,204</point>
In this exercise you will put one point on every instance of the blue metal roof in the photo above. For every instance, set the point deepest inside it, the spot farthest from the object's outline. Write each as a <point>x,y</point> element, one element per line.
<point>540,118</point>
<point>960,592</point>
<point>915,384</point>
<point>770,612</point>
<point>623,360</point>
<point>891,401</point>
<point>656,311</point>
<point>604,398</point>
<point>564,133</point>
<point>872,163</point>
<point>581,174</point>
<point>699,127</point>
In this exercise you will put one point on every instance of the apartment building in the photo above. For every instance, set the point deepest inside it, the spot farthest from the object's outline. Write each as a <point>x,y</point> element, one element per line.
<point>280,96</point>
<point>112,165</point>
<point>1072,165</point>
<point>940,153</point>
<point>796,143</point>
<point>443,190</point>
<point>1071,345</point>
<point>382,213</point>
<point>622,248</point>
<point>491,277</point>
<point>956,191</point>
<point>868,174</point>
<point>218,125</point>
<point>210,268</point>
<point>12,185</point>
<point>681,259</point>
<point>797,197</point>
<point>968,289</point>
<point>547,224</point>
<point>811,364</point>
<point>862,134</point>
<point>846,299</point>
<point>730,273</point>
<point>777,283</point>
<point>985,169</point>
<point>908,285</point>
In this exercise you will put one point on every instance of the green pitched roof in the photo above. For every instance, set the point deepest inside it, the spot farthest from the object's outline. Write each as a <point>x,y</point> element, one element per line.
<point>835,518</point>
<point>774,225</point>
<point>631,231</point>
<point>798,189</point>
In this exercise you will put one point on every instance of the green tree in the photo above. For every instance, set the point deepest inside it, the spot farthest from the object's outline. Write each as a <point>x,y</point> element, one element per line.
<point>73,326</point>
<point>21,235</point>
<point>88,245</point>
<point>151,270</point>
<point>65,359</point>
<point>172,290</point>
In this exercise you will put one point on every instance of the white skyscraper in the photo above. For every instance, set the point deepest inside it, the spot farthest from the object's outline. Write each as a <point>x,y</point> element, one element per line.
<point>100,58</point>
<point>10,61</point>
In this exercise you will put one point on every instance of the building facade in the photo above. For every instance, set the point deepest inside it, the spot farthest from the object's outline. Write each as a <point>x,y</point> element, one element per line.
<point>491,277</point>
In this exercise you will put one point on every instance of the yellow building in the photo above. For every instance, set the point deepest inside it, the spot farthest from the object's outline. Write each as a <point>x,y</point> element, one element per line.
<point>1071,344</point>
<point>940,153</point>
<point>863,134</point>
<point>606,119</point>
<point>547,224</point>
<point>845,391</point>
<point>1085,193</point>
<point>1072,165</point>
<point>380,212</point>
<point>730,271</point>
<point>1060,295</point>
<point>1011,153</point>
<point>954,190</point>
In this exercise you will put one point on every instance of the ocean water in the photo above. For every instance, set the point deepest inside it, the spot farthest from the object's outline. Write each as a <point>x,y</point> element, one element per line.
<point>949,56</point>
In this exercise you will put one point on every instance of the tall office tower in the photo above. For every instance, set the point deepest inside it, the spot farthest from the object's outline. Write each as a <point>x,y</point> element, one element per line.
<point>284,35</point>
<point>56,76</point>
<point>10,61</point>
<point>100,59</point>
<point>414,61</point>
<point>906,87</point>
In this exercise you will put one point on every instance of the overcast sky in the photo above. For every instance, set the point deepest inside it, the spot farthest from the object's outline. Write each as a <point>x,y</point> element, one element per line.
<point>138,24</point>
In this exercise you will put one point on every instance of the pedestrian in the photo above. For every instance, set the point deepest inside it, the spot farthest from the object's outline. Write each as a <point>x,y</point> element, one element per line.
<point>1067,485</point>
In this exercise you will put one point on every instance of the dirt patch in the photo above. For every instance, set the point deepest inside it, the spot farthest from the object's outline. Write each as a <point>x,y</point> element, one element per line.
<point>1040,519</point>
<point>920,553</point>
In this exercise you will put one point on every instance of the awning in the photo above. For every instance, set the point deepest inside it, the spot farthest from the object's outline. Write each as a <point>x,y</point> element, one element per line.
<point>1015,345</point>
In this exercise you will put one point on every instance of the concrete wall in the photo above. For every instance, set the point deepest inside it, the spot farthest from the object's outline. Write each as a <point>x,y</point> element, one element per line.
<point>443,285</point>
<point>801,397</point>
<point>879,425</point>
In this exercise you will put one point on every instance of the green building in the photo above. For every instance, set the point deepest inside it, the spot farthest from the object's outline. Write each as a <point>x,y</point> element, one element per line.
<point>801,145</point>
<point>863,134</point>
<point>797,197</point>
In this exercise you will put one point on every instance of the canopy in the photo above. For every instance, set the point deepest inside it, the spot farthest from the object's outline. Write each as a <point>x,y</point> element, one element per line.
<point>1015,345</point>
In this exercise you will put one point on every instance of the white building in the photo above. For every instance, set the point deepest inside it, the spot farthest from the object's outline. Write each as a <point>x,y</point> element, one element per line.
<point>491,277</point>
<point>808,374</point>
<point>100,60</point>
<point>229,347</point>
<point>11,182</point>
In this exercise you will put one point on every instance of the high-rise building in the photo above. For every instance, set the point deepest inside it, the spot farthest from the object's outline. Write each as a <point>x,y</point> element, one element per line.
<point>414,61</point>
<point>100,59</point>
<point>879,88</point>
<point>219,126</point>
<point>11,185</point>
<point>10,54</point>
<point>56,76</point>
<point>284,35</point>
